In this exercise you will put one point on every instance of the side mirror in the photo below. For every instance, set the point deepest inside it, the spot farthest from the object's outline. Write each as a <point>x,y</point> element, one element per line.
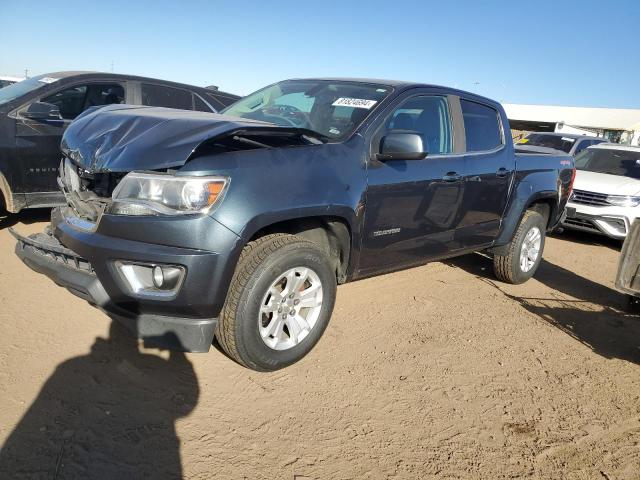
<point>42,111</point>
<point>401,146</point>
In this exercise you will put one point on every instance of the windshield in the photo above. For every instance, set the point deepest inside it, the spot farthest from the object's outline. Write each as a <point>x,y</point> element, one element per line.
<point>332,108</point>
<point>550,141</point>
<point>624,163</point>
<point>11,92</point>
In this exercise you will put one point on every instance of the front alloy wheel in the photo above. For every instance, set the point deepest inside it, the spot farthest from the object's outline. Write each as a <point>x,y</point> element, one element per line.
<point>279,302</point>
<point>290,308</point>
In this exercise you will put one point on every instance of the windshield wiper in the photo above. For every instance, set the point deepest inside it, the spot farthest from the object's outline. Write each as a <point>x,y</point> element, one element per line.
<point>316,138</point>
<point>309,136</point>
<point>248,141</point>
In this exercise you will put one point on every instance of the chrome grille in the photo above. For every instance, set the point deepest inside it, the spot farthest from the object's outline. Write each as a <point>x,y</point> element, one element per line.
<point>589,198</point>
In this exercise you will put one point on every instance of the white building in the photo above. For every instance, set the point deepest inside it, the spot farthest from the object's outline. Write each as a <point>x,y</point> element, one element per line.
<point>616,124</point>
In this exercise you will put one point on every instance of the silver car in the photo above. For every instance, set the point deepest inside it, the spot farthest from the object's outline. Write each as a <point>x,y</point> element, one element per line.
<point>606,191</point>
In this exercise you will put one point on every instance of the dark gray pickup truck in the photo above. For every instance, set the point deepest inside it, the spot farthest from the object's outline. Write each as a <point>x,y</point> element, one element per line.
<point>188,225</point>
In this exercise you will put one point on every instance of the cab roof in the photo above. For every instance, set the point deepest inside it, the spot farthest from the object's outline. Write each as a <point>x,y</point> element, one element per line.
<point>400,85</point>
<point>87,73</point>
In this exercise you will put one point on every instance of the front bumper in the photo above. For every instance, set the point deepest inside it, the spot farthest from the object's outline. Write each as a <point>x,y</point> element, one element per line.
<point>613,222</point>
<point>84,262</point>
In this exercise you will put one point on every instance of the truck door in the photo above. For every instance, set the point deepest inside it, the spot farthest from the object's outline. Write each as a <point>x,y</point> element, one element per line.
<point>489,169</point>
<point>38,141</point>
<point>412,206</point>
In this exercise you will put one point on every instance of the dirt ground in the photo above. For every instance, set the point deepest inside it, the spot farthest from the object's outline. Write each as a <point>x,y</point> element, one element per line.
<point>435,372</point>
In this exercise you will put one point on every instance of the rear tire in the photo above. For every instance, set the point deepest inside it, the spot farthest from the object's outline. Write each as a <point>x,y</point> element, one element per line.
<point>279,302</point>
<point>524,253</point>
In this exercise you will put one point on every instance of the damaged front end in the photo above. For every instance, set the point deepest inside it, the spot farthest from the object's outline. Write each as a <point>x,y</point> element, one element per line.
<point>112,244</point>
<point>136,238</point>
<point>102,147</point>
<point>87,194</point>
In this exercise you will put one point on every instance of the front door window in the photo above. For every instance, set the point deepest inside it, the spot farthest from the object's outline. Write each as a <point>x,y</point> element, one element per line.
<point>75,100</point>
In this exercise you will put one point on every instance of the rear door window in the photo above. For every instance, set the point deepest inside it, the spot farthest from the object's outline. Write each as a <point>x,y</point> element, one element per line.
<point>169,97</point>
<point>482,126</point>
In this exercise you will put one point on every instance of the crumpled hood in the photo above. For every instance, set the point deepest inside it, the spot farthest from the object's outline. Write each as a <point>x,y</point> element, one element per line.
<point>121,138</point>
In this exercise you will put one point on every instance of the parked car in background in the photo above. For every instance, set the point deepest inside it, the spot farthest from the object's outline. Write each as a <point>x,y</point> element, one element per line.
<point>606,195</point>
<point>568,143</point>
<point>184,225</point>
<point>35,112</point>
<point>5,80</point>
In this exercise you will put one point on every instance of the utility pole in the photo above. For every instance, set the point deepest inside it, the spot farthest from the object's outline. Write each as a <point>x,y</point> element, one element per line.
<point>111,66</point>
<point>26,73</point>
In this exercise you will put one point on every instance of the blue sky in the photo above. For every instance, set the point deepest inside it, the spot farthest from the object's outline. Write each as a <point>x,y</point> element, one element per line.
<point>583,53</point>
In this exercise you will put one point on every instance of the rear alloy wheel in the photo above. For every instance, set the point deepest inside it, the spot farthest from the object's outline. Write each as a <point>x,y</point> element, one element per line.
<point>524,254</point>
<point>530,250</point>
<point>279,302</point>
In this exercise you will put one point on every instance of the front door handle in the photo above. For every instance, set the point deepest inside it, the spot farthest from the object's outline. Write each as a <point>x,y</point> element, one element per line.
<point>452,177</point>
<point>502,172</point>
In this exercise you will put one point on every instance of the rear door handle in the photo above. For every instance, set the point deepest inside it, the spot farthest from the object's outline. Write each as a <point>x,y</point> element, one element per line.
<point>452,177</point>
<point>502,172</point>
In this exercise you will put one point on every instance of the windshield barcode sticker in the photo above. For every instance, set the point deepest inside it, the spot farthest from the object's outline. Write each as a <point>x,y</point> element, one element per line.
<point>354,102</point>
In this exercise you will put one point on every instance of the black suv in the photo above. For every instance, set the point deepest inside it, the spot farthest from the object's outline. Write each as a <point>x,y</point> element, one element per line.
<point>35,112</point>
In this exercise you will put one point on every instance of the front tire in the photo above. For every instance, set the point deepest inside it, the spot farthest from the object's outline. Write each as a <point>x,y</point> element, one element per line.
<point>279,302</point>
<point>524,253</point>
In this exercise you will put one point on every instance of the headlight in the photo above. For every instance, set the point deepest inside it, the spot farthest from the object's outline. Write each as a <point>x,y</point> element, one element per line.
<point>623,200</point>
<point>164,194</point>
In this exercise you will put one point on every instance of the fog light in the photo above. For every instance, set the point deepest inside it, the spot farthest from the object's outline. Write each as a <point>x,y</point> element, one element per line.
<point>158,276</point>
<point>168,278</point>
<point>151,280</point>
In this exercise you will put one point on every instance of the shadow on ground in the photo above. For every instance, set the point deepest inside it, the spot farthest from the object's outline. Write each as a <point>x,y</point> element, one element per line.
<point>592,313</point>
<point>108,414</point>
<point>587,238</point>
<point>27,216</point>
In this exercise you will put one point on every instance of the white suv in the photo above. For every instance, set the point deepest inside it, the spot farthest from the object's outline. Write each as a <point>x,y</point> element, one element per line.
<point>606,191</point>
